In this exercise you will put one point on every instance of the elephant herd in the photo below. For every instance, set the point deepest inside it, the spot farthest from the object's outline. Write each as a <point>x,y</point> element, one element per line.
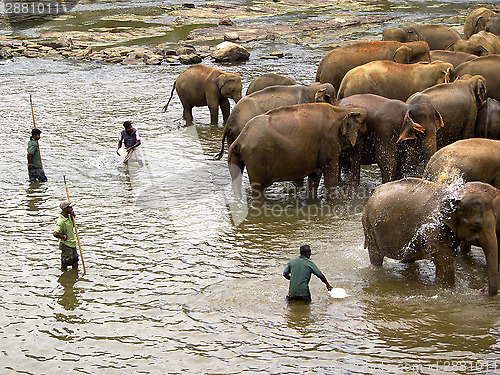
<point>423,96</point>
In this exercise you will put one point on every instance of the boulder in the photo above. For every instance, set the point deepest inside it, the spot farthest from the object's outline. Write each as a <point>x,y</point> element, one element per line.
<point>185,50</point>
<point>229,52</point>
<point>153,61</point>
<point>231,36</point>
<point>192,58</point>
<point>226,21</point>
<point>131,59</point>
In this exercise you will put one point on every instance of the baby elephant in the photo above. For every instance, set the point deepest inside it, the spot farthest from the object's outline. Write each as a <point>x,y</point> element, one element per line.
<point>413,219</point>
<point>200,85</point>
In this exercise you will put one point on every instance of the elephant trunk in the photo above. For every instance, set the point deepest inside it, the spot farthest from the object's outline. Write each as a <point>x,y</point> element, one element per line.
<point>237,98</point>
<point>488,240</point>
<point>429,147</point>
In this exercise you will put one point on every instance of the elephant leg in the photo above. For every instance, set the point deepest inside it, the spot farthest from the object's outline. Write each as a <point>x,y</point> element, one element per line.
<point>331,176</point>
<point>376,257</point>
<point>225,109</point>
<point>355,162</point>
<point>445,267</point>
<point>188,109</point>
<point>258,193</point>
<point>214,115</point>
<point>386,160</point>
<point>236,167</point>
<point>312,185</point>
<point>213,106</point>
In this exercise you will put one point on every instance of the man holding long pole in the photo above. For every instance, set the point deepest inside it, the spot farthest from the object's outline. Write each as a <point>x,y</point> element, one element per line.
<point>67,238</point>
<point>35,169</point>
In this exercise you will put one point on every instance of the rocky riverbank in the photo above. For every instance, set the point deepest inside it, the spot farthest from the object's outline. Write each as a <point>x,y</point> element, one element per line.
<point>107,47</point>
<point>65,48</point>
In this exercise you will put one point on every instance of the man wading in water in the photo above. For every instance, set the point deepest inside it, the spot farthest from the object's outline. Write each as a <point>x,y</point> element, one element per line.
<point>299,271</point>
<point>35,170</point>
<point>67,239</point>
<point>130,138</point>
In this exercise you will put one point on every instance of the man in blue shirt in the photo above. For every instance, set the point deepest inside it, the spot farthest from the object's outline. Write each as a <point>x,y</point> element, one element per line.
<point>130,139</point>
<point>299,271</point>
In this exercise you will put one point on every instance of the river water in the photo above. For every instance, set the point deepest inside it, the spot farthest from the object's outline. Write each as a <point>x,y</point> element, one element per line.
<point>181,279</point>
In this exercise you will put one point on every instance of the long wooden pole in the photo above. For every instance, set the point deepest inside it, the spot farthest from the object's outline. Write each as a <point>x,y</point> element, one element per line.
<point>34,126</point>
<point>76,230</point>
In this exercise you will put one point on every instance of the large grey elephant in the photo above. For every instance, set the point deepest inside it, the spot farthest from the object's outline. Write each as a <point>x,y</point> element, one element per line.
<point>486,66</point>
<point>292,142</point>
<point>488,120</point>
<point>436,36</point>
<point>481,19</point>
<point>390,124</point>
<point>458,103</point>
<point>481,44</point>
<point>336,63</point>
<point>452,57</point>
<point>200,85</point>
<point>269,98</point>
<point>414,219</point>
<point>474,159</point>
<point>268,79</point>
<point>393,80</point>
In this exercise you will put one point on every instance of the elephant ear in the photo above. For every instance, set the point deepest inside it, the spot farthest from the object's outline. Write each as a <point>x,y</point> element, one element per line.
<point>322,96</point>
<point>439,120</point>
<point>480,23</point>
<point>351,126</point>
<point>449,213</point>
<point>409,128</point>
<point>220,80</point>
<point>402,55</point>
<point>480,91</point>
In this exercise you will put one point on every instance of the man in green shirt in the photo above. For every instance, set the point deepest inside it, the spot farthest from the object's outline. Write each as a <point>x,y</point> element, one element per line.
<point>67,239</point>
<point>35,170</point>
<point>299,271</point>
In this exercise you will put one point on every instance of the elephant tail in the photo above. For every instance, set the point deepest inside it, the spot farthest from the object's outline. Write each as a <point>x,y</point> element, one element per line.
<point>171,94</point>
<point>221,153</point>
<point>224,136</point>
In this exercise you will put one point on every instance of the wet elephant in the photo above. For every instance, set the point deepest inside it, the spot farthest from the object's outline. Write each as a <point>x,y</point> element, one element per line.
<point>436,36</point>
<point>476,186</point>
<point>393,80</point>
<point>269,98</point>
<point>452,57</point>
<point>413,219</point>
<point>481,19</point>
<point>486,66</point>
<point>481,44</point>
<point>458,103</point>
<point>398,136</point>
<point>488,120</point>
<point>336,63</point>
<point>268,79</point>
<point>292,142</point>
<point>200,85</point>
<point>474,159</point>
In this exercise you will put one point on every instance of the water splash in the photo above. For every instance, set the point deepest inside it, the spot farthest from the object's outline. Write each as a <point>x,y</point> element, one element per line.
<point>448,188</point>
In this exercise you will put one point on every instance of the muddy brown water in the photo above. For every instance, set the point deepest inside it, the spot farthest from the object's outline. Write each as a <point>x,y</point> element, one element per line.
<point>179,279</point>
